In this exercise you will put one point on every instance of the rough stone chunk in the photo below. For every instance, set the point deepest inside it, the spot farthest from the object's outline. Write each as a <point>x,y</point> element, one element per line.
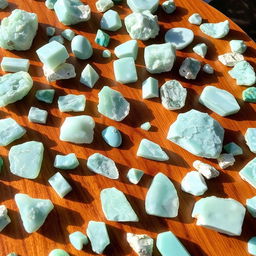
<point>112,136</point>
<point>57,38</point>
<point>206,170</point>
<point>45,95</point>
<point>233,148</point>
<point>230,59</point>
<point>104,5</point>
<point>169,6</point>
<point>215,30</point>
<point>50,4</point>
<point>207,68</point>
<point>4,218</point>
<point>89,76</point>
<point>250,136</point>
<point>110,21</point>
<point>66,162</point>
<point>102,38</point>
<point>150,88</point>
<point>248,173</point>
<point>71,102</point>
<point>146,126</point>
<point>14,64</point>
<point>251,206</point>
<point>78,240</point>
<point>195,19</point>
<point>189,68</point>
<point>238,46</point>
<point>249,95</point>
<point>200,49</point>
<point>68,34</point>
<point>135,175</point>
<point>143,5</point>
<point>226,160</point>
<point>141,244</point>
<point>127,49</point>
<point>37,115</point>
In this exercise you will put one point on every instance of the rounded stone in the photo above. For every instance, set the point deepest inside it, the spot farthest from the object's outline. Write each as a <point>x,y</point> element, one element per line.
<point>58,252</point>
<point>112,136</point>
<point>81,47</point>
<point>143,5</point>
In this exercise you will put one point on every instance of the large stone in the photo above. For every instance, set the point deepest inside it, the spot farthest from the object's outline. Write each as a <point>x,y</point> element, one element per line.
<point>215,30</point>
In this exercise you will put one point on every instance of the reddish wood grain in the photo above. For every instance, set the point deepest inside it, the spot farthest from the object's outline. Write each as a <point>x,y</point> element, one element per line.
<point>83,204</point>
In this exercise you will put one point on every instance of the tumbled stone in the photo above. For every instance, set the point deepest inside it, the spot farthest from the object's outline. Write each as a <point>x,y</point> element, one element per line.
<point>104,5</point>
<point>68,34</point>
<point>150,88</point>
<point>233,148</point>
<point>78,240</point>
<point>200,49</point>
<point>143,5</point>
<point>89,76</point>
<point>145,126</point>
<point>81,47</point>
<point>58,252</point>
<point>110,21</point>
<point>127,49</point>
<point>106,54</point>
<point>206,170</point>
<point>249,95</point>
<point>134,175</point>
<point>102,38</point>
<point>4,218</point>
<point>37,115</point>
<point>169,6</point>
<point>71,102</point>
<point>57,38</point>
<point>195,19</point>
<point>248,173</point>
<point>230,59</point>
<point>190,68</point>
<point>66,162</point>
<point>250,136</point>
<point>207,68</point>
<point>238,46</point>
<point>141,244</point>
<point>251,206</point>
<point>215,30</point>
<point>45,95</point>
<point>112,136</point>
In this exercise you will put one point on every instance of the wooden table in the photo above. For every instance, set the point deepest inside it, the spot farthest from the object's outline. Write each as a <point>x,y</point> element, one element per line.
<point>83,204</point>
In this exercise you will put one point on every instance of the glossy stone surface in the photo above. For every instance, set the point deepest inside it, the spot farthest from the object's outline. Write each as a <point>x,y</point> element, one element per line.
<point>14,64</point>
<point>251,246</point>
<point>71,102</point>
<point>81,47</point>
<point>66,162</point>
<point>250,136</point>
<point>106,54</point>
<point>68,34</point>
<point>37,115</point>
<point>26,159</point>
<point>89,76</point>
<point>195,19</point>
<point>150,88</point>
<point>33,211</point>
<point>134,175</point>
<point>190,68</point>
<point>18,30</point>
<point>103,165</point>
<point>58,252</point>
<point>141,244</point>
<point>4,218</point>
<point>110,21</point>
<point>112,104</point>
<point>14,87</point>
<point>57,38</point>
<point>169,6</point>
<point>50,31</point>
<point>127,49</point>
<point>215,30</point>
<point>251,206</point>
<point>104,5</point>
<point>116,207</point>
<point>200,49</point>
<point>145,126</point>
<point>143,5</point>
<point>249,95</point>
<point>224,215</point>
<point>233,148</point>
<point>248,173</point>
<point>207,68</point>
<point>238,46</point>
<point>150,150</point>
<point>112,136</point>
<point>179,37</point>
<point>230,59</point>
<point>207,170</point>
<point>197,133</point>
<point>45,95</point>
<point>102,38</point>
<point>78,240</point>
<point>3,4</point>
<point>162,198</point>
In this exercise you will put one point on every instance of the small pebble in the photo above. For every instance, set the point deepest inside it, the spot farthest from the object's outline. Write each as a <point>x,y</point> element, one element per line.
<point>238,46</point>
<point>112,136</point>
<point>207,68</point>
<point>106,54</point>
<point>195,19</point>
<point>58,39</point>
<point>226,160</point>
<point>58,252</point>
<point>169,6</point>
<point>252,246</point>
<point>50,31</point>
<point>146,126</point>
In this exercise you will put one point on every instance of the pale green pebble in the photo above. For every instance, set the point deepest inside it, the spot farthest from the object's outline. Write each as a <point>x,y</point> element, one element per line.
<point>169,6</point>
<point>3,4</point>
<point>50,4</point>
<point>251,246</point>
<point>89,76</point>
<point>190,68</point>
<point>110,21</point>
<point>12,254</point>
<point>143,5</point>
<point>233,148</point>
<point>50,31</point>
<point>150,88</point>
<point>250,138</point>
<point>106,54</point>
<point>71,103</point>
<point>66,162</point>
<point>249,95</point>
<point>68,34</point>
<point>200,49</point>
<point>81,47</point>
<point>45,95</point>
<point>134,175</point>
<point>37,115</point>
<point>58,252</point>
<point>102,38</point>
<point>248,173</point>
<point>195,19</point>
<point>14,64</point>
<point>110,198</point>
<point>4,218</point>
<point>251,206</point>
<point>78,240</point>
<point>207,68</point>
<point>127,49</point>
<point>215,30</point>
<point>145,126</point>
<point>104,5</point>
<point>112,136</point>
<point>58,39</point>
<point>238,46</point>
<point>1,163</point>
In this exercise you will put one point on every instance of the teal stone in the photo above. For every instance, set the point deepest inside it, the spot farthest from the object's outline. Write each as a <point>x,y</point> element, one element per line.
<point>238,46</point>
<point>68,34</point>
<point>110,21</point>
<point>195,19</point>
<point>219,101</point>
<point>251,206</point>
<point>117,1</point>
<point>150,150</point>
<point>45,95</point>
<point>169,6</point>
<point>112,136</point>
<point>190,68</point>
<point>26,159</point>
<point>50,4</point>
<point>200,49</point>
<point>162,198</point>
<point>127,49</point>
<point>134,175</point>
<point>143,5</point>
<point>130,73</point>
<point>208,69</point>
<point>17,31</point>
<point>168,244</point>
<point>10,131</point>
<point>71,12</point>
<point>78,240</point>
<point>102,38</point>
<point>81,47</point>
<point>215,30</point>
<point>251,246</point>
<point>4,218</point>
<point>145,126</point>
<point>150,88</point>
<point>104,5</point>
<point>112,104</point>
<point>66,162</point>
<point>14,64</point>
<point>250,137</point>
<point>249,95</point>
<point>58,252</point>
<point>3,4</point>
<point>179,37</point>
<point>37,115</point>
<point>50,31</point>
<point>98,236</point>
<point>71,102</point>
<point>248,173</point>
<point>103,165</point>
<point>1,163</point>
<point>33,211</point>
<point>57,38</point>
<point>89,76</point>
<point>106,54</point>
<point>233,148</point>
<point>14,87</point>
<point>197,133</point>
<point>110,199</point>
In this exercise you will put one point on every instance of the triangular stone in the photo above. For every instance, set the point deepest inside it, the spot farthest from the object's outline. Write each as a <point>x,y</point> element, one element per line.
<point>89,76</point>
<point>127,49</point>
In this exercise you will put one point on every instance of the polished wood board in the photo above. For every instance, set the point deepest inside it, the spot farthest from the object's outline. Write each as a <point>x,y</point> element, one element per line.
<point>83,204</point>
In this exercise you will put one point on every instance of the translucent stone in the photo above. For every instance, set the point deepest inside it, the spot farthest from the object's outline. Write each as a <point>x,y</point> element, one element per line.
<point>71,12</point>
<point>197,133</point>
<point>248,173</point>
<point>14,64</point>
<point>112,104</point>
<point>50,4</point>
<point>251,246</point>
<point>190,68</point>
<point>110,21</point>
<point>116,207</point>
<point>173,95</point>
<point>18,30</point>
<point>162,198</point>
<point>4,218</point>
<point>102,38</point>
<point>45,95</point>
<point>66,162</point>
<point>68,34</point>
<point>58,252</point>
<point>251,206</point>
<point>249,95</point>
<point>238,46</point>
<point>71,102</point>
<point>112,136</point>
<point>33,211</point>
<point>103,165</point>
<point>150,88</point>
<point>159,57</point>
<point>250,136</point>
<point>195,19</point>
<point>206,170</point>
<point>142,26</point>
<point>89,76</point>
<point>10,131</point>
<point>106,54</point>
<point>233,148</point>
<point>78,240</point>
<point>57,38</point>
<point>50,31</point>
<point>145,126</point>
<point>224,215</point>
<point>141,244</point>
<point>169,6</point>
<point>98,235</point>
<point>143,5</point>
<point>78,129</point>
<point>37,115</point>
<point>104,5</point>
<point>215,30</point>
<point>3,4</point>
<point>14,87</point>
<point>230,59</point>
<point>135,175</point>
<point>127,49</point>
<point>200,49</point>
<point>179,37</point>
<point>208,69</point>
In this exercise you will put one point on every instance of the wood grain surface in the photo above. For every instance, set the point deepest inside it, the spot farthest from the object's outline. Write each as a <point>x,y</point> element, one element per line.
<point>83,204</point>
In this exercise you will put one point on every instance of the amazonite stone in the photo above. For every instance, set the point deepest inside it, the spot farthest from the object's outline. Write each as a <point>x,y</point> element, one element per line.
<point>3,4</point>
<point>127,49</point>
<point>14,87</point>
<point>159,57</point>
<point>68,34</point>
<point>78,129</point>
<point>179,37</point>
<point>50,31</point>
<point>45,95</point>
<point>150,88</point>
<point>26,159</point>
<point>219,101</point>
<point>168,244</point>
<point>150,150</point>
<point>103,165</point>
<point>10,131</point>
<point>4,218</point>
<point>18,30</point>
<point>145,126</point>
<point>37,115</point>
<point>207,68</point>
<point>71,102</point>
<point>224,215</point>
<point>215,30</point>
<point>248,173</point>
<point>143,5</point>
<point>141,244</point>
<point>112,104</point>
<point>57,38</point>
<point>195,19</point>
<point>238,46</point>
<point>110,21</point>
<point>14,64</point>
<point>66,162</point>
<point>169,6</point>
<point>106,54</point>
<point>251,246</point>
<point>78,240</point>
<point>89,76</point>
<point>58,252</point>
<point>134,175</point>
<point>190,68</point>
<point>249,95</point>
<point>200,49</point>
<point>197,133</point>
<point>162,198</point>
<point>98,235</point>
<point>233,148</point>
<point>81,47</point>
<point>130,74</point>
<point>250,136</point>
<point>116,207</point>
<point>244,73</point>
<point>71,12</point>
<point>33,211</point>
<point>112,136</point>
<point>50,4</point>
<point>102,38</point>
<point>251,206</point>
<point>104,5</point>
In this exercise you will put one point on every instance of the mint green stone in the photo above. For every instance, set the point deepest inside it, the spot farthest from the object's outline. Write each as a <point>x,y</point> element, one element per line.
<point>195,19</point>
<point>10,131</point>
<point>251,246</point>
<point>98,235</point>
<point>112,104</point>
<point>46,95</point>
<point>208,69</point>
<point>162,198</point>
<point>37,115</point>
<point>50,31</point>
<point>71,102</point>
<point>215,30</point>
<point>244,73</point>
<point>66,162</point>
<point>143,5</point>
<point>78,240</point>
<point>12,254</point>
<point>58,252</point>
<point>250,137</point>
<point>4,218</point>
<point>238,46</point>
<point>150,88</point>
<point>135,175</point>
<point>50,4</point>
<point>116,207</point>
<point>68,34</point>
<point>233,148</point>
<point>33,211</point>
<point>169,6</point>
<point>18,30</point>
<point>110,21</point>
<point>112,136</point>
<point>197,133</point>
<point>127,49</point>
<point>1,163</point>
<point>102,165</point>
<point>14,87</point>
<point>251,206</point>
<point>3,4</point>
<point>102,38</point>
<point>150,150</point>
<point>106,54</point>
<point>81,47</point>
<point>200,49</point>
<point>57,38</point>
<point>249,95</point>
<point>104,5</point>
<point>89,76</point>
<point>248,173</point>
<point>190,68</point>
<point>14,64</point>
<point>145,126</point>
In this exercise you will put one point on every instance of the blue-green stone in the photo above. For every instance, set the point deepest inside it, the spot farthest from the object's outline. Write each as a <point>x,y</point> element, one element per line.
<point>233,148</point>
<point>66,162</point>
<point>110,21</point>
<point>58,252</point>
<point>248,173</point>
<point>68,34</point>
<point>45,95</point>
<point>127,49</point>
<point>134,175</point>
<point>102,38</point>
<point>71,102</point>
<point>251,246</point>
<point>251,206</point>
<point>4,218</point>
<point>143,5</point>
<point>238,46</point>
<point>250,136</point>
<point>78,240</point>
<point>81,47</point>
<point>112,136</point>
<point>249,95</point>
<point>215,30</point>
